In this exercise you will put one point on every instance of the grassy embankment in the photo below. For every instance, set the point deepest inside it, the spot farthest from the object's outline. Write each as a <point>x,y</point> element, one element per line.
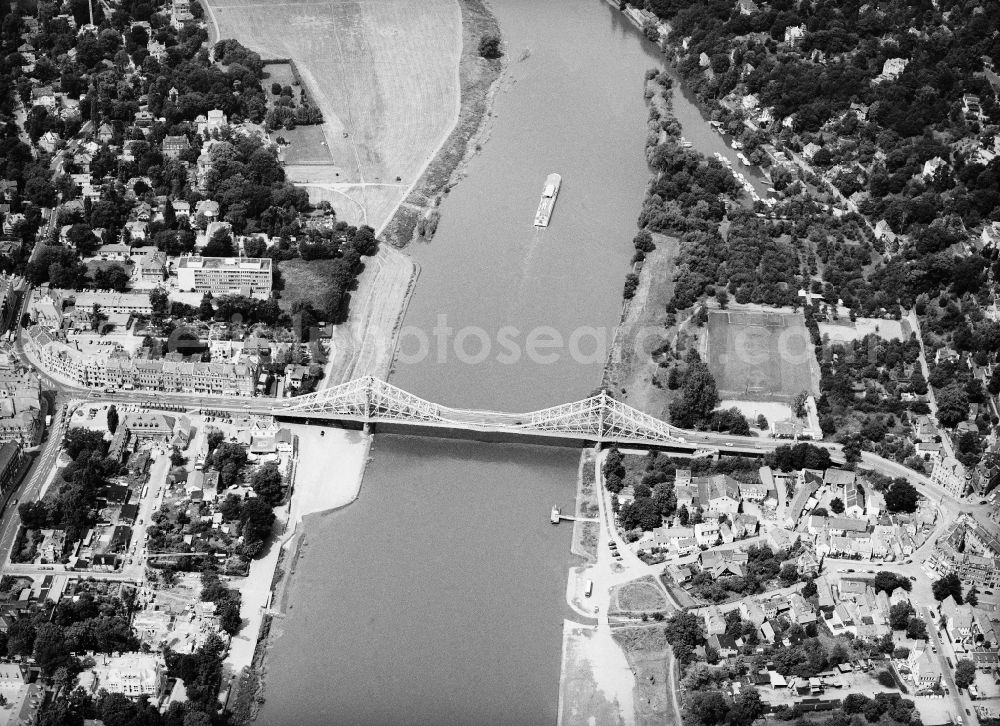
<point>585,534</point>
<point>643,328</point>
<point>477,78</point>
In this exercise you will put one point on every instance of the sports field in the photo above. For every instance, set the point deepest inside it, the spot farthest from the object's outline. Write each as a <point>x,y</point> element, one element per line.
<point>384,73</point>
<point>760,355</point>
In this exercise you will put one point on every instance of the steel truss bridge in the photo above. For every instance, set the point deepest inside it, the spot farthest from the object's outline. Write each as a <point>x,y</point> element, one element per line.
<point>369,400</point>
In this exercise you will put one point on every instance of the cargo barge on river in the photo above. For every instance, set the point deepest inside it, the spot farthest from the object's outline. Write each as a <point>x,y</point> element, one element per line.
<point>548,201</point>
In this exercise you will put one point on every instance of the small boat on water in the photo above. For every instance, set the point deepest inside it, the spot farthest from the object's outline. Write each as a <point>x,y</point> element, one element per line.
<point>554,517</point>
<point>548,201</point>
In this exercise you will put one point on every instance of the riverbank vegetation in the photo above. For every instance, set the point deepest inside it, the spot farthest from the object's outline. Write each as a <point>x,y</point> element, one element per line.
<point>886,171</point>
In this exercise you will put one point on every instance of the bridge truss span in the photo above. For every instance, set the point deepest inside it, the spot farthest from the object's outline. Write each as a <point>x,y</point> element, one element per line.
<point>370,400</point>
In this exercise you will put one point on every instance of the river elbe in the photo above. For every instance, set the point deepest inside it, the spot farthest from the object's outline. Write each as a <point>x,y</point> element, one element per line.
<point>437,598</point>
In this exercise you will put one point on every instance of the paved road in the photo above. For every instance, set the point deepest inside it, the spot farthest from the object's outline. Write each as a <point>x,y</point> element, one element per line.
<point>43,570</point>
<point>968,718</point>
<point>31,485</point>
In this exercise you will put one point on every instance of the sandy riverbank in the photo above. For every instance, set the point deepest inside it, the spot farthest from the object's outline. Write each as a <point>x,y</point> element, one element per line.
<point>595,681</point>
<point>595,684</point>
<point>329,469</point>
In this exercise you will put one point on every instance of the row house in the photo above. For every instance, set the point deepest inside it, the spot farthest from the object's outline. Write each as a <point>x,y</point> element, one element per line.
<point>983,572</point>
<point>119,372</point>
<point>950,475</point>
<point>844,546</point>
<point>706,534</point>
<point>753,492</point>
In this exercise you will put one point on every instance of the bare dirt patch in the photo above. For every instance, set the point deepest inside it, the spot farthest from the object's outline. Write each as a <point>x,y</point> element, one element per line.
<point>844,330</point>
<point>588,682</point>
<point>646,651</point>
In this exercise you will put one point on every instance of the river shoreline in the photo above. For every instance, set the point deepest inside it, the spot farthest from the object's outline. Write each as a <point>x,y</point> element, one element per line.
<point>305,502</point>
<point>478,83</point>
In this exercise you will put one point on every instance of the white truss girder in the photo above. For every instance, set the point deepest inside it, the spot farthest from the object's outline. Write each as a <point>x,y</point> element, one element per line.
<point>371,400</point>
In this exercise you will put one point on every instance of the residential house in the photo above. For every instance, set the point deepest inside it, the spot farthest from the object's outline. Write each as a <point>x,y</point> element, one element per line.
<point>844,526</point>
<point>715,623</point>
<point>946,354</point>
<point>838,478</point>
<point>706,534</point>
<point>781,539</point>
<point>884,232</point>
<point>801,611</point>
<point>991,235</point>
<point>958,619</point>
<point>174,146</point>
<point>718,494</point>
<point>892,69</point>
<point>52,546</point>
<point>810,150</point>
<point>207,208</point>
<point>794,34</point>
<point>144,119</point>
<point>687,496</point>
<point>972,107</point>
<point>679,573</point>
<point>854,500</point>
<point>752,611</point>
<point>753,492</point>
<point>153,268</point>
<point>43,96</point>
<point>723,644</point>
<point>925,668</point>
<point>744,525</point>
<point>931,167</point>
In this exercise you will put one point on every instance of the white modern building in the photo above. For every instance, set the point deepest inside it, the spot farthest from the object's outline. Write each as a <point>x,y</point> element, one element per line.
<point>225,275</point>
